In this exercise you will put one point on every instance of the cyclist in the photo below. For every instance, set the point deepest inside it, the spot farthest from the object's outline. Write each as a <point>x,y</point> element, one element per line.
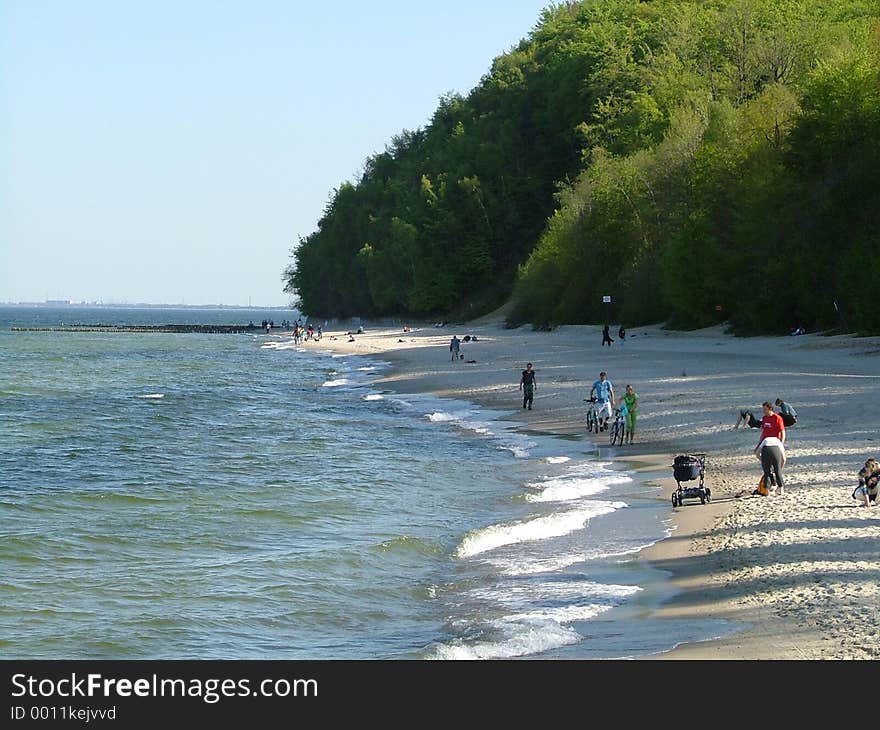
<point>604,392</point>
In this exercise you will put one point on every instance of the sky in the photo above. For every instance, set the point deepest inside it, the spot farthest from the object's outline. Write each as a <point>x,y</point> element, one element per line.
<point>176,152</point>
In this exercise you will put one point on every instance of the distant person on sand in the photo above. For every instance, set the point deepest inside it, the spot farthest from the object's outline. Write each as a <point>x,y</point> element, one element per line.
<point>747,418</point>
<point>527,385</point>
<point>787,413</point>
<point>606,336</point>
<point>621,334</point>
<point>869,483</point>
<point>455,347</point>
<point>604,392</point>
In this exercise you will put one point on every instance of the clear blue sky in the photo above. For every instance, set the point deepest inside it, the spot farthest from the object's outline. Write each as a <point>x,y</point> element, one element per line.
<point>175,152</point>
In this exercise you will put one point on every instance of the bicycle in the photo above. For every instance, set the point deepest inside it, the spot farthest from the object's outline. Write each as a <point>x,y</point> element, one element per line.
<point>617,431</point>
<point>592,416</point>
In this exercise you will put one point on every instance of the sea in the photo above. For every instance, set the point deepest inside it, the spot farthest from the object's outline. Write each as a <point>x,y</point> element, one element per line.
<point>237,496</point>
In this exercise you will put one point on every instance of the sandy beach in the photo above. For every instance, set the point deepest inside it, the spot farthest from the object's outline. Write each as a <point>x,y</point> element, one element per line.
<point>799,569</point>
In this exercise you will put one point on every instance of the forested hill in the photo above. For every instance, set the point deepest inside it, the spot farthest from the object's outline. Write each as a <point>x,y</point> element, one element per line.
<point>699,161</point>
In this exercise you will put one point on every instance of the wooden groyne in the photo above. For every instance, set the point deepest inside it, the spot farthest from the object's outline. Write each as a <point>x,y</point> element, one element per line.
<point>213,329</point>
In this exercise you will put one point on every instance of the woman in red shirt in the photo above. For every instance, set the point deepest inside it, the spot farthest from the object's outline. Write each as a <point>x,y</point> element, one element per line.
<point>772,423</point>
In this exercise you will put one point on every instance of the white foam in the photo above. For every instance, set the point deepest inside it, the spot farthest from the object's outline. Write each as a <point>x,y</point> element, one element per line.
<point>152,396</point>
<point>539,612</point>
<point>558,459</point>
<point>465,418</point>
<point>540,528</point>
<point>374,396</point>
<point>336,383</point>
<point>521,593</point>
<point>522,640</point>
<point>528,565</point>
<point>567,489</point>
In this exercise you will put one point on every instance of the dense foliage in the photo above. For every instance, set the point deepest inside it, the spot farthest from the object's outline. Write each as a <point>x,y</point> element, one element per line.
<point>697,161</point>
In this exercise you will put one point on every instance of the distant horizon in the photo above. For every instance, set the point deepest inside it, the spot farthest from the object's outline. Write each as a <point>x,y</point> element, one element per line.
<point>186,149</point>
<point>144,305</point>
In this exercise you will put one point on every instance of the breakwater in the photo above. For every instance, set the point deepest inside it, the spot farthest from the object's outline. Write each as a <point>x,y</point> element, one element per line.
<point>226,329</point>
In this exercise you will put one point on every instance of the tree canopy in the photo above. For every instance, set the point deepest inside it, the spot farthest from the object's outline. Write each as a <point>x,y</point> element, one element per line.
<point>700,162</point>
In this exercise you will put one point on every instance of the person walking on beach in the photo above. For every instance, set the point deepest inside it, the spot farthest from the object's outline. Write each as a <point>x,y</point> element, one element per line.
<point>606,335</point>
<point>631,401</point>
<point>527,385</point>
<point>787,413</point>
<point>455,347</point>
<point>621,335</point>
<point>603,389</point>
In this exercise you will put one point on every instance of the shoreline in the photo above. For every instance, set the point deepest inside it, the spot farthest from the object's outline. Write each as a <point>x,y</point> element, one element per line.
<point>797,571</point>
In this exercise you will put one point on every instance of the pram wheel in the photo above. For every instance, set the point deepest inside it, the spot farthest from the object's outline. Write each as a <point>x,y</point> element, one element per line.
<point>674,500</point>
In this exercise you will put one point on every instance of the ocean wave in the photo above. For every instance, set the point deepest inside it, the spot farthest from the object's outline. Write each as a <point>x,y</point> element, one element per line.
<point>539,528</point>
<point>531,565</point>
<point>505,439</point>
<point>521,640</point>
<point>540,612</point>
<point>409,544</point>
<point>567,489</point>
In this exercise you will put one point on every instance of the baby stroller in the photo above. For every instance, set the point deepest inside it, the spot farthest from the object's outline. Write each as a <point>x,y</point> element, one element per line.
<point>688,468</point>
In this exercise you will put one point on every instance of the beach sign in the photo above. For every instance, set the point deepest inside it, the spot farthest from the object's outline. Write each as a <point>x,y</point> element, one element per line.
<point>606,299</point>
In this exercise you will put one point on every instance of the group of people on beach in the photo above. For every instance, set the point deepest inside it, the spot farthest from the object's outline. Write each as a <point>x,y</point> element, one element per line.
<point>770,451</point>
<point>309,332</point>
<point>601,393</point>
